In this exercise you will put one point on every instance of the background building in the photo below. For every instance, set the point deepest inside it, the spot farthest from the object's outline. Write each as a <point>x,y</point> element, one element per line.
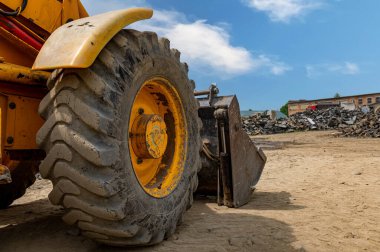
<point>358,100</point>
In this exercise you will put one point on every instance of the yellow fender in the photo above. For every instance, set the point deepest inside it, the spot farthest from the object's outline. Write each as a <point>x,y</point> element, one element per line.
<point>78,43</point>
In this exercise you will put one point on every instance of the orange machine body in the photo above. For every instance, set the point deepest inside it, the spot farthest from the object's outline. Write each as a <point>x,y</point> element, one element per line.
<point>21,90</point>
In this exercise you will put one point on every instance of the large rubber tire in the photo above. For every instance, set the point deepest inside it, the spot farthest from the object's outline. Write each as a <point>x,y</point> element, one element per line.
<point>85,137</point>
<point>23,176</point>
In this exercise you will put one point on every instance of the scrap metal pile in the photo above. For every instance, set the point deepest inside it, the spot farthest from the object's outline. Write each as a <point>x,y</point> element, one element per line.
<point>349,123</point>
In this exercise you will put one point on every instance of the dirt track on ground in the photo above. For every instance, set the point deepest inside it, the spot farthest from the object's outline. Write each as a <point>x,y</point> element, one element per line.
<point>317,193</point>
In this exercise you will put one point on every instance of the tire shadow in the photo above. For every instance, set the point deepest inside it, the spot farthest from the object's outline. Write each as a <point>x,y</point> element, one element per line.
<point>272,201</point>
<point>206,227</point>
<point>21,213</point>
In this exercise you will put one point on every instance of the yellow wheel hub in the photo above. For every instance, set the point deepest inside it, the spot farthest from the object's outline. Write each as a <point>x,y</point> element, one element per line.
<point>149,138</point>
<point>157,137</point>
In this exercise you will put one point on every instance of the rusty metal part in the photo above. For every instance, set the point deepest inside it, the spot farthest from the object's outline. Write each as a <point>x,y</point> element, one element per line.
<point>211,92</point>
<point>5,175</point>
<point>240,163</point>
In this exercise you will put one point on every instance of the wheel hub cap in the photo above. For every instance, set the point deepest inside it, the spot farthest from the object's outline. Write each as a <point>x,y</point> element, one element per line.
<point>149,138</point>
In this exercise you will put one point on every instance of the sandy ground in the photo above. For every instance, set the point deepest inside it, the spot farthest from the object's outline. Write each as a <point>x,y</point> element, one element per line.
<point>318,193</point>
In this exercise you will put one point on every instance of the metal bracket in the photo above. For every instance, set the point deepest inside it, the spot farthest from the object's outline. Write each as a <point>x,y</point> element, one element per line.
<point>211,92</point>
<point>240,161</point>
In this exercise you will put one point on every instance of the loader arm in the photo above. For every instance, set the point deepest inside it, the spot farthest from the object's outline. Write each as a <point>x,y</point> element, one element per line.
<point>77,44</point>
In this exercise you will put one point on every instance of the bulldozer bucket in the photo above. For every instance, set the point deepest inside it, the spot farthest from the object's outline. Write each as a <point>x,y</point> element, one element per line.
<point>231,163</point>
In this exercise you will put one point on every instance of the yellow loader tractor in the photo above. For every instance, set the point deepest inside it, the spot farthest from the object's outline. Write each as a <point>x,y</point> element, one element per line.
<point>110,116</point>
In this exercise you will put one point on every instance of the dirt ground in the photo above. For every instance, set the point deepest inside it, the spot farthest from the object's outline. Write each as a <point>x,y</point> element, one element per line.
<point>317,193</point>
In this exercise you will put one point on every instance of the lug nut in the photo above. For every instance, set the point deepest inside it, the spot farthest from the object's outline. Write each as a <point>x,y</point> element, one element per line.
<point>10,140</point>
<point>12,105</point>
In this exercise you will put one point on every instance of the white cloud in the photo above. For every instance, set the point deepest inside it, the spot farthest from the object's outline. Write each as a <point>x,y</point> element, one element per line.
<point>205,47</point>
<point>208,47</point>
<point>272,65</point>
<point>348,68</point>
<point>345,68</point>
<point>284,10</point>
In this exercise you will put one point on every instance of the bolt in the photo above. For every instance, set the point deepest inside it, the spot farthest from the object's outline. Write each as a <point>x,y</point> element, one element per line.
<point>141,111</point>
<point>12,105</point>
<point>10,140</point>
<point>139,161</point>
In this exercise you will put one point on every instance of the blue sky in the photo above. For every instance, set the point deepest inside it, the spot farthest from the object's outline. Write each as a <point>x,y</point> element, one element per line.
<point>270,51</point>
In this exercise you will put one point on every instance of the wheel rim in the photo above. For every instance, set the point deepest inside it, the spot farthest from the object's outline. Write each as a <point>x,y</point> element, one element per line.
<point>157,137</point>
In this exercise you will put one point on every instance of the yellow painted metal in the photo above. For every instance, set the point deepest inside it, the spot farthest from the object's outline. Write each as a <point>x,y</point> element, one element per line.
<point>148,136</point>
<point>19,116</point>
<point>39,19</point>
<point>22,75</point>
<point>49,14</point>
<point>159,175</point>
<point>15,51</point>
<point>78,43</point>
<point>22,122</point>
